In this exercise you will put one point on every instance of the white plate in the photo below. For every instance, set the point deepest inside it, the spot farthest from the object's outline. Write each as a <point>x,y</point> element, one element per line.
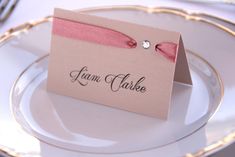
<point>87,127</point>
<point>137,135</point>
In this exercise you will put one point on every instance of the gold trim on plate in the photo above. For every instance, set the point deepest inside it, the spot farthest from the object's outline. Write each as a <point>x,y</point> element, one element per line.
<point>15,114</point>
<point>22,28</point>
<point>202,14</point>
<point>188,16</point>
<point>6,152</point>
<point>179,12</point>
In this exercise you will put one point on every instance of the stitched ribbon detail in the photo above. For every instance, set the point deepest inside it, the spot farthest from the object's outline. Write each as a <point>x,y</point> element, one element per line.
<point>91,33</point>
<point>168,50</point>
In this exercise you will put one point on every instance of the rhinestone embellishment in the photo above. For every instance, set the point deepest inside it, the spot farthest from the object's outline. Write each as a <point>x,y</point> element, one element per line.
<point>146,44</point>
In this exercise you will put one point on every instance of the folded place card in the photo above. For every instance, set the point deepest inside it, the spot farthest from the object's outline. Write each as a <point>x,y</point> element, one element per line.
<point>114,63</point>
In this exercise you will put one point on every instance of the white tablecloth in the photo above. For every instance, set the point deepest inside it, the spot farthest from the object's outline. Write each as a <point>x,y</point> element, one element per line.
<point>35,9</point>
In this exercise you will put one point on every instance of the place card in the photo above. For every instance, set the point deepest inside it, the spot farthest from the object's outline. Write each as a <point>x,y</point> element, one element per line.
<point>114,63</point>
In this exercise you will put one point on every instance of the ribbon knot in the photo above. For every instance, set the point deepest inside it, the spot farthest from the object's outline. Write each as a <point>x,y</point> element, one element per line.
<point>167,49</point>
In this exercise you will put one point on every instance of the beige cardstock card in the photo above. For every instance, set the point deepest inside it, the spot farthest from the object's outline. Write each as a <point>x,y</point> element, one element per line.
<point>118,64</point>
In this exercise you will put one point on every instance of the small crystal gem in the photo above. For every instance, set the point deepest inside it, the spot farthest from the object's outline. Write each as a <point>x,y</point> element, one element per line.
<point>146,44</point>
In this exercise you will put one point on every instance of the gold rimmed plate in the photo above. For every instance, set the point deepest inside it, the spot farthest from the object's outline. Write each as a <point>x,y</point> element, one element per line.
<point>212,46</point>
<point>87,127</point>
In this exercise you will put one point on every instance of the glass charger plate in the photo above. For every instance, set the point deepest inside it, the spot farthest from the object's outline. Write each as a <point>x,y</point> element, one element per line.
<point>33,41</point>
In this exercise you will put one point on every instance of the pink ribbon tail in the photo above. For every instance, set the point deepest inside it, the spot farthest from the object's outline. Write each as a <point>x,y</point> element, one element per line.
<point>91,33</point>
<point>168,50</point>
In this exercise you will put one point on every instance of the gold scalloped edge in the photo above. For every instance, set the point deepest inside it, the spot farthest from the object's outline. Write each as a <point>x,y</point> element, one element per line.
<point>203,14</point>
<point>8,152</point>
<point>22,28</point>
<point>179,12</point>
<point>228,139</point>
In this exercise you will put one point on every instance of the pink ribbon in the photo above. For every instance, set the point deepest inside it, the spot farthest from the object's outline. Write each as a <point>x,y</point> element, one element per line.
<point>91,33</point>
<point>167,49</point>
<point>105,36</point>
